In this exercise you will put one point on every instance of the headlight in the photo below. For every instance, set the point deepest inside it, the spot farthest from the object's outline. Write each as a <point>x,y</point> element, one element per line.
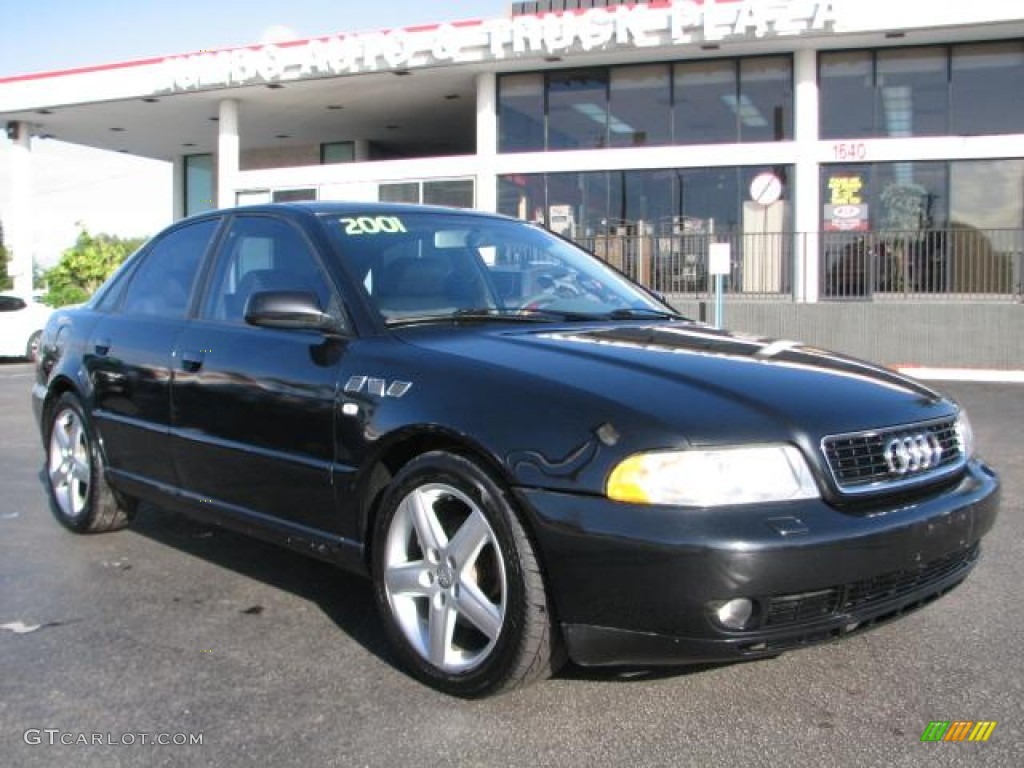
<point>965,434</point>
<point>711,478</point>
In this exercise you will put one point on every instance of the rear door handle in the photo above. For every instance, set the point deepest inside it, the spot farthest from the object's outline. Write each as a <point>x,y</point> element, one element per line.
<point>192,360</point>
<point>102,347</point>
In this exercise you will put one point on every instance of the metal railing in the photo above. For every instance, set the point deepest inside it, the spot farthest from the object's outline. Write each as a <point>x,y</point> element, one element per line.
<point>938,263</point>
<point>948,264</point>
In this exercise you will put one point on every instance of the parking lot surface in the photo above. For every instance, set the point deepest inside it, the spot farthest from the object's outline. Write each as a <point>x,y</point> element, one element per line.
<point>172,630</point>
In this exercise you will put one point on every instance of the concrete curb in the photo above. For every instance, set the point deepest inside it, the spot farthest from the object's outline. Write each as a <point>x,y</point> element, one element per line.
<point>962,374</point>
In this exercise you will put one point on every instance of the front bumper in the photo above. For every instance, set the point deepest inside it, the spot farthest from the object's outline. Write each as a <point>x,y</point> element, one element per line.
<point>633,584</point>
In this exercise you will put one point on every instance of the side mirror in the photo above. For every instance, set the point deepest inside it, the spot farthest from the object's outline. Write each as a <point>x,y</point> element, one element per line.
<point>289,310</point>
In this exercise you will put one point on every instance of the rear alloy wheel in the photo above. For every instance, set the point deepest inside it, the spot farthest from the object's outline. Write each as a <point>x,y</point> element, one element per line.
<point>79,495</point>
<point>457,580</point>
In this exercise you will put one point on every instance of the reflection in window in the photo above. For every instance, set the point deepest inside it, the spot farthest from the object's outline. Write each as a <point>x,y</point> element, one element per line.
<point>162,284</point>
<point>984,76</point>
<point>765,107</point>
<point>847,94</point>
<point>521,113</point>
<point>987,194</point>
<point>911,196</point>
<point>706,102</point>
<point>578,109</point>
<point>639,107</point>
<point>913,92</point>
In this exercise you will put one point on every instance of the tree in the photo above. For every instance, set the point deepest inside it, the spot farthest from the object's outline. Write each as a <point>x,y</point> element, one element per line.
<point>83,267</point>
<point>6,283</point>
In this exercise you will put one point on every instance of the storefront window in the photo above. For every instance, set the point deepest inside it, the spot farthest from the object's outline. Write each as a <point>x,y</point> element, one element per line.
<point>912,98</point>
<point>293,195</point>
<point>521,113</point>
<point>765,106</point>
<point>199,193</point>
<point>456,193</point>
<point>578,109</point>
<point>987,194</point>
<point>847,94</point>
<point>338,152</point>
<point>583,205</point>
<point>984,78</point>
<point>401,192</point>
<point>706,102</point>
<point>639,107</point>
<point>719,101</point>
<point>657,225</point>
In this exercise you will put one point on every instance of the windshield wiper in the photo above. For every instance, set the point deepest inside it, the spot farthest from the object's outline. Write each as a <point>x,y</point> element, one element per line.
<point>634,313</point>
<point>487,314</point>
<point>494,313</point>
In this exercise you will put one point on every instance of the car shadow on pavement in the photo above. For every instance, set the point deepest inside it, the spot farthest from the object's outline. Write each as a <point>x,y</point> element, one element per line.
<point>345,598</point>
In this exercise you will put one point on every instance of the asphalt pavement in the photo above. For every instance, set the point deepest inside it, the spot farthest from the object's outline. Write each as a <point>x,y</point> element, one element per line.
<point>176,632</point>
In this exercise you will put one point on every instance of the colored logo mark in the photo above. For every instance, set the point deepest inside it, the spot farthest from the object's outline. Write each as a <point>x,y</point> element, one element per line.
<point>958,730</point>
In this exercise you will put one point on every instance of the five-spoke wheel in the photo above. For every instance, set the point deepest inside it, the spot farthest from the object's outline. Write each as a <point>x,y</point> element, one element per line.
<point>69,466</point>
<point>457,579</point>
<point>76,480</point>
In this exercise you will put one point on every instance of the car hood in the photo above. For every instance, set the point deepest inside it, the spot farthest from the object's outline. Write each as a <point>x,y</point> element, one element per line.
<point>709,386</point>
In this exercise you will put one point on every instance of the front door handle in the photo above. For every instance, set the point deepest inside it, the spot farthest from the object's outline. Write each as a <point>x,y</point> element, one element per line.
<point>192,361</point>
<point>102,347</point>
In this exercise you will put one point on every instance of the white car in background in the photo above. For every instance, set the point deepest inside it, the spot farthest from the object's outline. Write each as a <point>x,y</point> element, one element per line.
<point>22,319</point>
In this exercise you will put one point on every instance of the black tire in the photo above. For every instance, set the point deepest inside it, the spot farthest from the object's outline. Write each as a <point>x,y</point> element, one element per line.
<point>502,632</point>
<point>32,347</point>
<point>76,482</point>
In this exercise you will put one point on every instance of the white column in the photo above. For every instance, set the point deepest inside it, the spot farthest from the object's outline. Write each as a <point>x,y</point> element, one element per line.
<point>227,153</point>
<point>19,233</point>
<point>487,141</point>
<point>807,208</point>
<point>178,192</point>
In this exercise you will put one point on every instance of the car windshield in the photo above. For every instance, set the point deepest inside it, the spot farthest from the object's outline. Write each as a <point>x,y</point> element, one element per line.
<point>428,266</point>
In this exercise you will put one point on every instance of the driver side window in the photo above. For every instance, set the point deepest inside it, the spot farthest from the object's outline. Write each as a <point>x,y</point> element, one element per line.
<point>262,253</point>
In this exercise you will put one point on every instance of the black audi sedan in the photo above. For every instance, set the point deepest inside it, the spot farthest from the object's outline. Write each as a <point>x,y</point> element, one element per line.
<point>530,456</point>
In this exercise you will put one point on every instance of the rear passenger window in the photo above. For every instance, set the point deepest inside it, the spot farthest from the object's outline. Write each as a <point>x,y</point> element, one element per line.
<point>162,284</point>
<point>261,253</point>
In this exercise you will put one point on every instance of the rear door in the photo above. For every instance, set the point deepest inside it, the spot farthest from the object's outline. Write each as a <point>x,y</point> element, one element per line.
<point>128,356</point>
<point>254,407</point>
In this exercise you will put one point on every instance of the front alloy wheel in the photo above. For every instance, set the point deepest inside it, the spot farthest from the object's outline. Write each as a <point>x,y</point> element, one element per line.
<point>447,595</point>
<point>457,580</point>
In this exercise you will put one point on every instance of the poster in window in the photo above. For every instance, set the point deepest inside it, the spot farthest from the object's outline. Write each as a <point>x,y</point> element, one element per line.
<point>846,210</point>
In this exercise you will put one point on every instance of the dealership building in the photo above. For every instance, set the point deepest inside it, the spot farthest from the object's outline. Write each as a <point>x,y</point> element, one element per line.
<point>863,159</point>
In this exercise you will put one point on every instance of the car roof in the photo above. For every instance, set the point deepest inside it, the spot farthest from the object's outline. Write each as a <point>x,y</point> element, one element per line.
<point>342,208</point>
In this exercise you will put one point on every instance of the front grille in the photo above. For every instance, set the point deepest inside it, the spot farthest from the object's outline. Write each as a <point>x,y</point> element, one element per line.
<point>788,610</point>
<point>892,457</point>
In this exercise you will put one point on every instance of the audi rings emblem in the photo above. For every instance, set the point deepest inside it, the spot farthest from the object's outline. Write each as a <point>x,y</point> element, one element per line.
<point>905,454</point>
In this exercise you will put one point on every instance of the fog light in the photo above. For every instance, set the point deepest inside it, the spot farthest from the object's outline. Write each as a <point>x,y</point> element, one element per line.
<point>735,613</point>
